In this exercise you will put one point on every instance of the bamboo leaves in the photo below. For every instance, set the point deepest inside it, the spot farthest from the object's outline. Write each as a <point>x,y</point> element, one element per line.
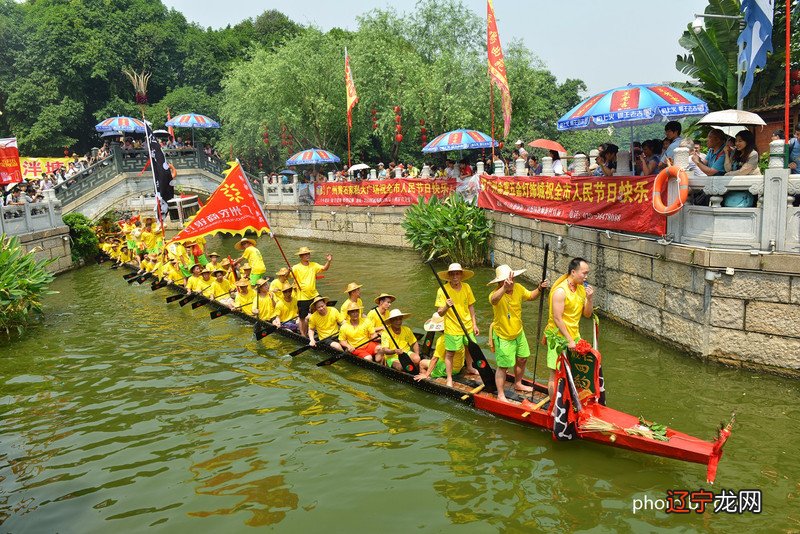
<point>23,280</point>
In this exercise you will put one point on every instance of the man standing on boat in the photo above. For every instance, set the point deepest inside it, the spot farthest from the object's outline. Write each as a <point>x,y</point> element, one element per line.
<point>462,302</point>
<point>305,274</point>
<point>507,338</point>
<point>570,298</point>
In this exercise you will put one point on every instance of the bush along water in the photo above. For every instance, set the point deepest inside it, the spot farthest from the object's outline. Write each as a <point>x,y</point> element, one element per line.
<point>23,281</point>
<point>83,237</point>
<point>452,230</point>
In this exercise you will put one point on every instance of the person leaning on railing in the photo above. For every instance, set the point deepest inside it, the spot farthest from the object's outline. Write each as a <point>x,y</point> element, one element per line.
<point>743,160</point>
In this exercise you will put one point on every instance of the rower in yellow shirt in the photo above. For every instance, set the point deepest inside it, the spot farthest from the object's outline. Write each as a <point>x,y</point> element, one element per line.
<point>206,283</point>
<point>353,291</point>
<point>173,273</point>
<point>263,305</point>
<point>305,275</point>
<point>323,322</point>
<point>281,279</point>
<point>383,302</point>
<point>403,336</point>
<point>435,366</point>
<point>286,309</point>
<point>462,302</point>
<point>251,255</point>
<point>194,284</point>
<point>245,295</point>
<point>356,335</point>
<point>221,288</point>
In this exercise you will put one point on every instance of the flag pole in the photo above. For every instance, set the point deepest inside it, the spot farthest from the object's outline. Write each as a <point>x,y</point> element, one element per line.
<point>788,66</point>
<point>147,134</point>
<point>491,111</point>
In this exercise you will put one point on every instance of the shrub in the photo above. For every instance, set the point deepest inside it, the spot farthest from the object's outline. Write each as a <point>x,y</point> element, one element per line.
<point>451,229</point>
<point>83,236</point>
<point>23,280</point>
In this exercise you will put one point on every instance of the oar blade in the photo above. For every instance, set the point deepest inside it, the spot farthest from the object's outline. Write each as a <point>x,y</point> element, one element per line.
<point>216,314</point>
<point>185,300</point>
<point>482,365</point>
<point>331,360</point>
<point>408,364</point>
<point>198,303</point>
<point>173,298</point>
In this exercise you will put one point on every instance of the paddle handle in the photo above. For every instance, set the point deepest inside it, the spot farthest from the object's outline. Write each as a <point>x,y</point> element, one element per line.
<point>541,312</point>
<point>447,296</point>
<point>288,265</point>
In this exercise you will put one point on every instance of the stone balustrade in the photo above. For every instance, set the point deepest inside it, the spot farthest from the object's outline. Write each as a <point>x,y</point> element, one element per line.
<point>27,218</point>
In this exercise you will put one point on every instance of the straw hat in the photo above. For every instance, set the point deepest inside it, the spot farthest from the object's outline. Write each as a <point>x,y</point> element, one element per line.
<point>212,254</point>
<point>245,266</point>
<point>502,272</point>
<point>287,287</point>
<point>242,244</point>
<point>304,250</point>
<point>384,295</point>
<point>215,271</point>
<point>283,271</point>
<point>243,283</point>
<point>226,262</point>
<point>195,265</point>
<point>351,306</point>
<point>205,271</point>
<point>456,267</point>
<point>395,313</point>
<point>262,282</point>
<point>435,323</point>
<point>352,286</point>
<point>318,298</point>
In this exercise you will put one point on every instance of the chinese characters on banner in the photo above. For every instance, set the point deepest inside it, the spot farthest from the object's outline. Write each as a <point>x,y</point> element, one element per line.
<point>617,203</point>
<point>32,168</point>
<point>398,192</point>
<point>9,162</point>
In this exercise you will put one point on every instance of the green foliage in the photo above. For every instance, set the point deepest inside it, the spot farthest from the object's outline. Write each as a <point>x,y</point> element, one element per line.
<point>83,237</point>
<point>451,229</point>
<point>23,281</point>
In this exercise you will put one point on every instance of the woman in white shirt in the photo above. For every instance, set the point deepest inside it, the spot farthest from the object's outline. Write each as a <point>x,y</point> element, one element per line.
<point>744,160</point>
<point>558,167</point>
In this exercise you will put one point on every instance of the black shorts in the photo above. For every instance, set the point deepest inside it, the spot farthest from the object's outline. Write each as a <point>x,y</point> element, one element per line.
<point>303,307</point>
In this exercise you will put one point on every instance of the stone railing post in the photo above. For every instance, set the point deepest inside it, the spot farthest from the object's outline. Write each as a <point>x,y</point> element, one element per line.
<point>398,172</point>
<point>373,174</point>
<point>426,171</point>
<point>581,165</point>
<point>499,168</point>
<point>623,163</point>
<point>296,190</point>
<point>116,152</point>
<point>519,165</point>
<point>593,153</point>
<point>547,166</point>
<point>773,208</point>
<point>481,169</point>
<point>776,152</point>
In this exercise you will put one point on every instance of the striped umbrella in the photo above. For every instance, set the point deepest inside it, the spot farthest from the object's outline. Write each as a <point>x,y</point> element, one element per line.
<point>459,140</point>
<point>192,120</point>
<point>313,156</point>
<point>632,105</point>
<point>120,124</point>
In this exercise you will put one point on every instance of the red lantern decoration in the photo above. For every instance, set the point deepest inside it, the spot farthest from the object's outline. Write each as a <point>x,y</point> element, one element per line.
<point>398,138</point>
<point>374,125</point>
<point>795,90</point>
<point>422,122</point>
<point>397,119</point>
<point>423,130</point>
<point>398,128</point>
<point>500,145</point>
<point>424,139</point>
<point>374,111</point>
<point>397,109</point>
<point>795,75</point>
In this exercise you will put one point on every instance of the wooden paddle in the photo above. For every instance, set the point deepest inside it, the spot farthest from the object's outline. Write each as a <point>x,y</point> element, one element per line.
<point>159,284</point>
<point>216,314</point>
<point>173,298</point>
<point>185,300</point>
<point>336,357</point>
<point>304,348</point>
<point>405,360</point>
<point>130,275</point>
<point>262,329</point>
<point>478,359</point>
<point>142,278</point>
<point>539,322</point>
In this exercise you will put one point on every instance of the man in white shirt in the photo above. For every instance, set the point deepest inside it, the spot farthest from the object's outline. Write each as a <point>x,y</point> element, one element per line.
<point>522,152</point>
<point>452,171</point>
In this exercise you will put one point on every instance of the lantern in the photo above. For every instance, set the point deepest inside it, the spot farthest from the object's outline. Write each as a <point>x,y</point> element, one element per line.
<point>374,125</point>
<point>398,128</point>
<point>397,109</point>
<point>397,119</point>
<point>500,145</point>
<point>424,138</point>
<point>796,90</point>
<point>374,111</point>
<point>423,130</point>
<point>795,75</point>
<point>398,137</point>
<point>422,122</point>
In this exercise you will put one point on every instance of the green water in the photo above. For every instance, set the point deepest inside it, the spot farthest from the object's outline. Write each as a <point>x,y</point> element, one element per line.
<point>122,413</point>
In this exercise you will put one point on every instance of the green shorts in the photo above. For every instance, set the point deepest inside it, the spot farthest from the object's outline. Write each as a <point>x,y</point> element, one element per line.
<point>255,278</point>
<point>508,350</point>
<point>454,342</point>
<point>389,360</point>
<point>440,370</point>
<point>556,344</point>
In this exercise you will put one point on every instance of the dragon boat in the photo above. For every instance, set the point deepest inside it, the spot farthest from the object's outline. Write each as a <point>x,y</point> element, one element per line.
<point>594,422</point>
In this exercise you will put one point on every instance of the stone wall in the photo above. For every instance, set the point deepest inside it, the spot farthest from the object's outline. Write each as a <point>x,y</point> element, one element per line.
<point>736,308</point>
<point>50,244</point>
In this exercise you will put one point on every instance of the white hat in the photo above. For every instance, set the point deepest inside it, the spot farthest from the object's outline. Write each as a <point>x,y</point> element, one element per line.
<point>435,323</point>
<point>502,272</point>
<point>456,267</point>
<point>519,142</point>
<point>395,313</point>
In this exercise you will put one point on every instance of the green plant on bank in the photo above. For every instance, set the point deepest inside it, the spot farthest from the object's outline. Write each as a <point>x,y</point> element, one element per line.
<point>82,235</point>
<point>451,229</point>
<point>23,281</point>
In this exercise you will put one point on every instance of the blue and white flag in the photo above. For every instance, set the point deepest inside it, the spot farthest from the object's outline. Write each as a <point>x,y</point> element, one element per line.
<point>756,39</point>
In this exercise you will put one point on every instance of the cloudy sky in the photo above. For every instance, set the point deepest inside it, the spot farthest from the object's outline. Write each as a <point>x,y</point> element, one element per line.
<point>605,43</point>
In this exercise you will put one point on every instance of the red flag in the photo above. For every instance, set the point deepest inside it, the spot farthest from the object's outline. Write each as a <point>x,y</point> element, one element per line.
<point>231,208</point>
<point>497,66</point>
<point>352,95</point>
<point>10,171</point>
<point>169,128</point>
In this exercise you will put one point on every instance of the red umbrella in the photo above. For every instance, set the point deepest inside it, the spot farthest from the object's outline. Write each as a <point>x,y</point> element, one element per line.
<point>547,145</point>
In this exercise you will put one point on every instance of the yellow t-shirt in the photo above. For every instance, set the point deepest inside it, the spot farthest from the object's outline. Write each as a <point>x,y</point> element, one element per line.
<point>356,335</point>
<point>573,307</point>
<point>286,311</point>
<point>144,265</point>
<point>508,312</point>
<point>341,308</point>
<point>276,285</point>
<point>207,287</point>
<point>372,317</point>
<point>253,256</point>
<point>157,269</point>
<point>266,308</point>
<point>462,300</point>
<point>325,326</point>
<point>174,275</point>
<point>306,276</point>
<point>194,283</point>
<point>245,302</point>
<point>221,290</point>
<point>405,339</point>
<point>148,239</point>
<point>458,356</point>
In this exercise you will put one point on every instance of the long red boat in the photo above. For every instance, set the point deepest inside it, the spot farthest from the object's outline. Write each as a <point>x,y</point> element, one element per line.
<point>597,422</point>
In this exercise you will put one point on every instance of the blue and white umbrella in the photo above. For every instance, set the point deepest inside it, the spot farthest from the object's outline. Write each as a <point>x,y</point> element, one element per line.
<point>632,105</point>
<point>313,156</point>
<point>120,124</point>
<point>192,120</point>
<point>459,140</point>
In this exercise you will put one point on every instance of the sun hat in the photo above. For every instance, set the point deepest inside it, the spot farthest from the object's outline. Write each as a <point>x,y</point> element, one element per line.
<point>242,283</point>
<point>245,265</point>
<point>283,271</point>
<point>195,265</point>
<point>318,298</point>
<point>287,287</point>
<point>212,254</point>
<point>383,296</point>
<point>519,142</point>
<point>304,250</point>
<point>205,271</point>
<point>244,241</point>
<point>456,267</point>
<point>351,306</point>
<point>215,271</point>
<point>225,262</point>
<point>502,272</point>
<point>435,323</point>
<point>395,313</point>
<point>352,286</point>
<point>262,282</point>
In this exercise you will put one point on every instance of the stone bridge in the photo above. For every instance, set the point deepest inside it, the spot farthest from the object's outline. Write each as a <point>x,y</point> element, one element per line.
<point>118,179</point>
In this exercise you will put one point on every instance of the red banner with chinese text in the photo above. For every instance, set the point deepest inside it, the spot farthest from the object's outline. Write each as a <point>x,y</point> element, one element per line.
<point>10,172</point>
<point>619,203</point>
<point>396,192</point>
